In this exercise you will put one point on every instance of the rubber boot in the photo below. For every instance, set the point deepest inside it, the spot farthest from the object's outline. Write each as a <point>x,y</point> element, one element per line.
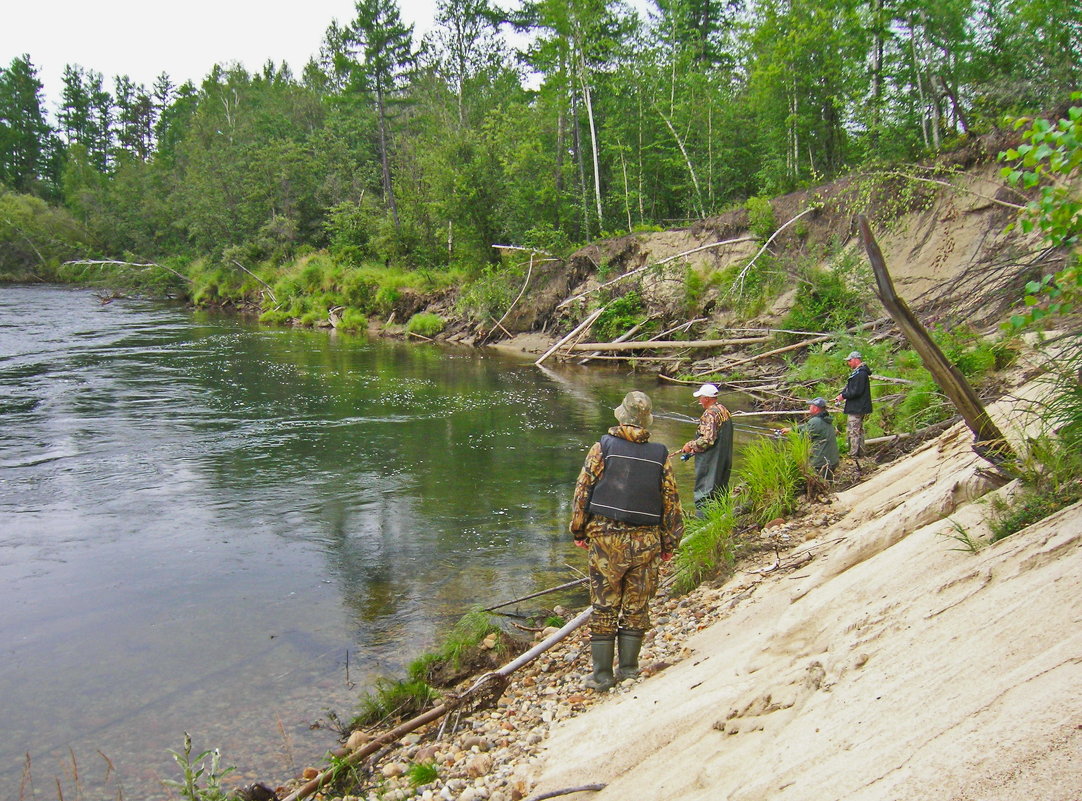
<point>602,650</point>
<point>629,642</point>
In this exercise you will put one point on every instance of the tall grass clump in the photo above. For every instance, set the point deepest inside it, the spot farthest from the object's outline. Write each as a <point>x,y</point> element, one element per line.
<point>391,701</point>
<point>465,636</point>
<point>1050,469</point>
<point>425,324</point>
<point>773,474</point>
<point>709,547</point>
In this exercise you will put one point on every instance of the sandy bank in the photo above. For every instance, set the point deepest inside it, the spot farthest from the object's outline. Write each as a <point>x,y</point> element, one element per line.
<point>891,667</point>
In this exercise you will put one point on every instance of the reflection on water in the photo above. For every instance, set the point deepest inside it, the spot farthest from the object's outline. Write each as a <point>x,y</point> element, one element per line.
<point>201,520</point>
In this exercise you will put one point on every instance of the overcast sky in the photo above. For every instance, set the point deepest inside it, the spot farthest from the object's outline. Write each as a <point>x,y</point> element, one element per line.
<point>143,38</point>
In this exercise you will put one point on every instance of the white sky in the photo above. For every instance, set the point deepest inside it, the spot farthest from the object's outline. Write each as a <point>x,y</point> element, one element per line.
<point>143,38</point>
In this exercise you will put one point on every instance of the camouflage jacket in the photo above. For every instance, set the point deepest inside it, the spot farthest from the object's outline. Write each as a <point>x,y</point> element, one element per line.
<point>672,516</point>
<point>707,432</point>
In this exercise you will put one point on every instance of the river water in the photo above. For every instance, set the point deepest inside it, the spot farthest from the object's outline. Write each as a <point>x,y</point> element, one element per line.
<point>213,527</point>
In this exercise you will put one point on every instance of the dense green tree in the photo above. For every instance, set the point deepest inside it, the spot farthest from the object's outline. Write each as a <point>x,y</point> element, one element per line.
<point>25,136</point>
<point>74,112</point>
<point>375,54</point>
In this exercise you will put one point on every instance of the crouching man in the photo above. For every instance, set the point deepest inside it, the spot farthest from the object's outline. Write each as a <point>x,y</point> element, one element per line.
<point>626,512</point>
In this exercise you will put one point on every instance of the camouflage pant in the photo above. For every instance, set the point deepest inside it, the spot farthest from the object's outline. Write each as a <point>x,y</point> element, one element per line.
<point>854,432</point>
<point>623,575</point>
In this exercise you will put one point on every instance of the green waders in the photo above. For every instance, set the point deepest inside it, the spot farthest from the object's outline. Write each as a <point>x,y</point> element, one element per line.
<point>602,650</point>
<point>629,642</point>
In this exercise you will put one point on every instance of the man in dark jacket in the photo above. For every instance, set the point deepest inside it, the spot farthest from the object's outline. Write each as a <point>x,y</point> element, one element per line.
<point>626,511</point>
<point>858,401</point>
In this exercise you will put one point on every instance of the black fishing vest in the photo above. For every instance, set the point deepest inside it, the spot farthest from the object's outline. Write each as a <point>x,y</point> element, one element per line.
<point>630,487</point>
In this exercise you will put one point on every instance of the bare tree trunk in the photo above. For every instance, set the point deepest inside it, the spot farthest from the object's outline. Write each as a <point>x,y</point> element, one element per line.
<point>593,139</point>
<point>687,161</point>
<point>991,444</point>
<point>385,163</point>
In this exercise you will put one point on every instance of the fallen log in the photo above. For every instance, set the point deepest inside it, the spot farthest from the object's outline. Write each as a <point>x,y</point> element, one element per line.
<point>802,344</point>
<point>990,444</point>
<point>666,344</point>
<point>585,324</point>
<point>101,262</point>
<point>622,338</point>
<point>485,691</point>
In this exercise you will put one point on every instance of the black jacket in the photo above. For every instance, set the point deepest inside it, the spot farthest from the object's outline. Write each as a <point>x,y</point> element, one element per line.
<point>858,391</point>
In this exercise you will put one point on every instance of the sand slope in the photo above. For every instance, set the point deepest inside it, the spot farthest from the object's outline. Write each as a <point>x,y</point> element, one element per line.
<point>891,667</point>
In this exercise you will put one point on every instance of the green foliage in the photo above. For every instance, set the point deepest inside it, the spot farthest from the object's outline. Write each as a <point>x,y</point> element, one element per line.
<point>464,637</point>
<point>924,405</point>
<point>422,773</point>
<point>773,472</point>
<point>36,237</point>
<point>619,315</point>
<point>823,302</point>
<point>1051,162</point>
<point>555,621</point>
<point>490,295</point>
<point>353,320</point>
<point>761,220</point>
<point>1051,478</point>
<point>205,764</point>
<point>426,324</point>
<point>749,292</point>
<point>392,700</point>
<point>709,546</point>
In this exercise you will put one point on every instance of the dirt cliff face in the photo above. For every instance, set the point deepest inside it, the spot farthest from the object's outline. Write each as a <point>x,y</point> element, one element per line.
<point>944,230</point>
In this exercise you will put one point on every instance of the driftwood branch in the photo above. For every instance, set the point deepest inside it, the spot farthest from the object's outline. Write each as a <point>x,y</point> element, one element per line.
<point>990,441</point>
<point>479,687</point>
<point>949,185</point>
<point>802,344</point>
<point>622,338</point>
<point>566,586</point>
<point>739,280</point>
<point>591,788</point>
<point>91,262</point>
<point>526,283</point>
<point>579,329</point>
<point>256,277</point>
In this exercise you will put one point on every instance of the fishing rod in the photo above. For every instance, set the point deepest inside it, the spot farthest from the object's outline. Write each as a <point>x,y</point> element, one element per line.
<point>749,428</point>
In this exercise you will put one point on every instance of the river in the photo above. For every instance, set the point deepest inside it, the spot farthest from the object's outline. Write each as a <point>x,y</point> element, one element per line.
<point>215,527</point>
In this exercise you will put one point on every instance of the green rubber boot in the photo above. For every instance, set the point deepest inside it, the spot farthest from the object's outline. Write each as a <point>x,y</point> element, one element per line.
<point>602,650</point>
<point>629,642</point>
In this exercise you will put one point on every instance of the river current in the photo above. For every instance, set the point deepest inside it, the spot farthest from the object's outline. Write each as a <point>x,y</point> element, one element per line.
<point>214,527</point>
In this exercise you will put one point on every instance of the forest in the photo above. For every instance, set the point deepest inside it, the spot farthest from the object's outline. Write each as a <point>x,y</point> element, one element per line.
<point>395,152</point>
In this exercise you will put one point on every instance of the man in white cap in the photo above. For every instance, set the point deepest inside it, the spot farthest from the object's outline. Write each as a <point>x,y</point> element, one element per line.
<point>858,402</point>
<point>712,447</point>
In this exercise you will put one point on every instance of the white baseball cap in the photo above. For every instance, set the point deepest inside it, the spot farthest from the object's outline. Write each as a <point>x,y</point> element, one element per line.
<point>705,391</point>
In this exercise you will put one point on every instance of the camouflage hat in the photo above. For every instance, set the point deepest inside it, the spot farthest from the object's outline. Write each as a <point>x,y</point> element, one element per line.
<point>820,402</point>
<point>854,355</point>
<point>635,410</point>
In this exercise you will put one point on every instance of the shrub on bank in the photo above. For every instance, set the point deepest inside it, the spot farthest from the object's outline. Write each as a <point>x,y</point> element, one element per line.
<point>709,547</point>
<point>773,474</point>
<point>425,324</point>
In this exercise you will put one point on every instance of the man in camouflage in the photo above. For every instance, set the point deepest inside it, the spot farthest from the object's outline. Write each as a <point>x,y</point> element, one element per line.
<point>626,511</point>
<point>712,447</point>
